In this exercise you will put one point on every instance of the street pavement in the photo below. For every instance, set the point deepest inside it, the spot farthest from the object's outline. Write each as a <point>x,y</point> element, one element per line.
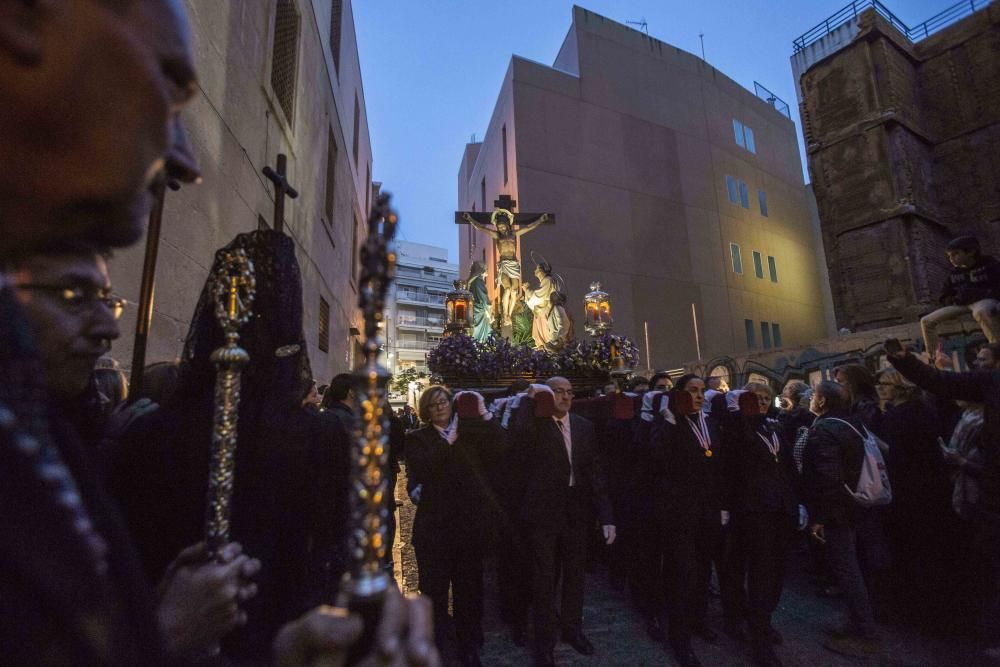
<point>619,636</point>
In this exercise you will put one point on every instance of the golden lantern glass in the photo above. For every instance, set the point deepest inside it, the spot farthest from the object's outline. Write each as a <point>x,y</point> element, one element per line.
<point>459,304</point>
<point>598,311</point>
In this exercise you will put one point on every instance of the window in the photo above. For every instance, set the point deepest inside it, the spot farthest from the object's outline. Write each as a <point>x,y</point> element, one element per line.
<point>765,335</point>
<point>285,56</point>
<point>762,200</point>
<point>262,223</point>
<point>776,334</point>
<point>331,176</point>
<point>772,268</point>
<point>744,136</point>
<point>751,334</point>
<point>357,128</point>
<point>758,265</point>
<point>324,326</point>
<point>503,138</point>
<point>731,189</point>
<point>335,17</point>
<point>738,132</point>
<point>748,135</point>
<point>482,193</point>
<point>744,195</point>
<point>734,250</point>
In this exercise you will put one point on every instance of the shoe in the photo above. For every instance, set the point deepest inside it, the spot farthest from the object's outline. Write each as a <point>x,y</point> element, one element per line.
<point>655,629</point>
<point>685,657</point>
<point>708,634</point>
<point>854,647</point>
<point>735,630</point>
<point>775,637</point>
<point>764,656</point>
<point>545,660</point>
<point>578,641</point>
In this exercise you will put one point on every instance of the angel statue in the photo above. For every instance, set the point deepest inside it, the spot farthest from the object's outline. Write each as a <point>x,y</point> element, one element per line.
<point>551,326</point>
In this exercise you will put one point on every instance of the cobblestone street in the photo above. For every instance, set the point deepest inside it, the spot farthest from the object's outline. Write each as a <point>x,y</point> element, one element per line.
<point>620,638</point>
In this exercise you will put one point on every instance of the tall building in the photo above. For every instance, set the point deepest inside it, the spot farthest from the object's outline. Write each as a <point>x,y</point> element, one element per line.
<point>416,312</point>
<point>678,189</point>
<point>275,76</point>
<point>902,131</point>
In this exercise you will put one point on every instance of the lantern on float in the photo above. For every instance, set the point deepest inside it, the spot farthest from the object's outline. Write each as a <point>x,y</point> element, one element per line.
<point>459,304</point>
<point>598,311</point>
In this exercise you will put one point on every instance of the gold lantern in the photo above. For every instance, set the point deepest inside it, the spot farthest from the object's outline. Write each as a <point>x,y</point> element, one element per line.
<point>598,311</point>
<point>459,304</point>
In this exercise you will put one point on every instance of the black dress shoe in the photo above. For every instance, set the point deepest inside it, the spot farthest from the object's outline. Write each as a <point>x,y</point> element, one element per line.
<point>686,657</point>
<point>708,634</point>
<point>578,641</point>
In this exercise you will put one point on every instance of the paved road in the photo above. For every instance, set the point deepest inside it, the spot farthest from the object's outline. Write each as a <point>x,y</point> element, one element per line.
<point>620,639</point>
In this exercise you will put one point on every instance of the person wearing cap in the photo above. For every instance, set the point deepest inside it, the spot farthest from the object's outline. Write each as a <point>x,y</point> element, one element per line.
<point>972,286</point>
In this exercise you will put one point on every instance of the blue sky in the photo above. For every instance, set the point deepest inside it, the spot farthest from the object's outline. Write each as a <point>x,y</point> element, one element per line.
<point>432,71</point>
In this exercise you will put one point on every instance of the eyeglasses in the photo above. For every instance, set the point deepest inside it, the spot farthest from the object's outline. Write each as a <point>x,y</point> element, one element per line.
<point>79,299</point>
<point>440,403</point>
<point>563,392</point>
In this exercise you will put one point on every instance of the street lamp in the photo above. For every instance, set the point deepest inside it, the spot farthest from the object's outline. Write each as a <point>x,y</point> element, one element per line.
<point>598,311</point>
<point>459,304</point>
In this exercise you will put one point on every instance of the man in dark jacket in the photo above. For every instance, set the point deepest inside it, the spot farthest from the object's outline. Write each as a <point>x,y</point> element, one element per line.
<point>832,463</point>
<point>563,482</point>
<point>972,286</point>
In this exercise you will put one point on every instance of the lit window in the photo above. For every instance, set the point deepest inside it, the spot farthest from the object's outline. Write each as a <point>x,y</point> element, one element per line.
<point>776,334</point>
<point>731,188</point>
<point>758,265</point>
<point>765,335</point>
<point>738,132</point>
<point>751,334</point>
<point>734,250</point>
<point>750,145</point>
<point>762,200</point>
<point>772,268</point>
<point>744,195</point>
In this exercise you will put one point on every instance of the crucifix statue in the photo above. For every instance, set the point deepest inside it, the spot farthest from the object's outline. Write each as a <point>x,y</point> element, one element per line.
<point>505,227</point>
<point>281,188</point>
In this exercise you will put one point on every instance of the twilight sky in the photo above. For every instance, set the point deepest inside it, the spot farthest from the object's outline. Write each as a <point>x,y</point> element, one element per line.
<point>432,71</point>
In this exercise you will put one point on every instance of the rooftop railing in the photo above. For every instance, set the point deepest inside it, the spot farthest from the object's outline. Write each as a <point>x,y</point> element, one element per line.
<point>779,104</point>
<point>849,13</point>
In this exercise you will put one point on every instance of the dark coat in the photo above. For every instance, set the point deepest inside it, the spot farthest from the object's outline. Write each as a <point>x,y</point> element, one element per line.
<point>967,285</point>
<point>977,387</point>
<point>833,457</point>
<point>458,501</point>
<point>544,467</point>
<point>687,483</point>
<point>756,480</point>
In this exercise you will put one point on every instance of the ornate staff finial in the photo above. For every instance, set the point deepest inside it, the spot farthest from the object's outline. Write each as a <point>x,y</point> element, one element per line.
<point>233,288</point>
<point>366,581</point>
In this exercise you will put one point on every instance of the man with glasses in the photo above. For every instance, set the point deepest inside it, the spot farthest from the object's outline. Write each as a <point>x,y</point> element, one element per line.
<point>564,483</point>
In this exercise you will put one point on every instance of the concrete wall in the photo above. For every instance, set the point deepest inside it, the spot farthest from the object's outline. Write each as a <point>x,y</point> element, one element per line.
<point>631,155</point>
<point>237,128</point>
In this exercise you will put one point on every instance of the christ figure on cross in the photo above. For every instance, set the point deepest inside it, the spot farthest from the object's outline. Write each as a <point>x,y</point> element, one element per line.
<point>505,231</point>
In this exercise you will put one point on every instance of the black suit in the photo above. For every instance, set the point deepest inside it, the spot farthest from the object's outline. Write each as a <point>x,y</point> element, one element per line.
<point>689,497</point>
<point>557,516</point>
<point>761,488</point>
<point>456,508</point>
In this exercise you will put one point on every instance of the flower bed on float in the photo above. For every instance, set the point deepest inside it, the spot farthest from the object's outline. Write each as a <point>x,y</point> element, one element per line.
<point>463,363</point>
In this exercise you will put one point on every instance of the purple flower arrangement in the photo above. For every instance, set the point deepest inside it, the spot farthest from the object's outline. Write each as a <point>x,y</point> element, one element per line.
<point>463,356</point>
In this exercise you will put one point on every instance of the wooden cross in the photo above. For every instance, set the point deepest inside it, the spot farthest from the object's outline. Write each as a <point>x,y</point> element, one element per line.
<point>281,188</point>
<point>506,203</point>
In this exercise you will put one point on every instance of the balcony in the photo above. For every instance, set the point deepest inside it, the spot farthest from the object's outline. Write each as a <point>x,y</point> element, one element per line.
<point>416,344</point>
<point>421,323</point>
<point>432,300</point>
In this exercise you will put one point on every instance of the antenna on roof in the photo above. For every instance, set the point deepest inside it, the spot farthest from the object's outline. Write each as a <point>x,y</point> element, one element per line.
<point>701,36</point>
<point>642,25</point>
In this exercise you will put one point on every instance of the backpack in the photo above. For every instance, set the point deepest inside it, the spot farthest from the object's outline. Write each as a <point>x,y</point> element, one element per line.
<point>873,484</point>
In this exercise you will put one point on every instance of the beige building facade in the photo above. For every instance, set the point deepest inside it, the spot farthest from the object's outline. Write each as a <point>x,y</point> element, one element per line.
<point>671,184</point>
<point>276,76</point>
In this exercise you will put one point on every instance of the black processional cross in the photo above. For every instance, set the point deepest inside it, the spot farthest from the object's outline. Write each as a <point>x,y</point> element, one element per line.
<point>505,228</point>
<point>281,188</point>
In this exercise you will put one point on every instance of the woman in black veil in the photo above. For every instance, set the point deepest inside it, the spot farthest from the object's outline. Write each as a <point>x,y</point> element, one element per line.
<point>290,503</point>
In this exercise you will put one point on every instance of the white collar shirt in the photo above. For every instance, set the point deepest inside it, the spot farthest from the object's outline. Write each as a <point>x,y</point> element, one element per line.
<point>563,424</point>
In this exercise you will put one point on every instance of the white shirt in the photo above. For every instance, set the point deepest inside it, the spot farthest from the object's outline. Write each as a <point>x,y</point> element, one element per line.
<point>563,425</point>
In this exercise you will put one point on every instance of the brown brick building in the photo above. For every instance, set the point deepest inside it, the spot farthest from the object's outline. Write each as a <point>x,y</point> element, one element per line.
<point>902,133</point>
